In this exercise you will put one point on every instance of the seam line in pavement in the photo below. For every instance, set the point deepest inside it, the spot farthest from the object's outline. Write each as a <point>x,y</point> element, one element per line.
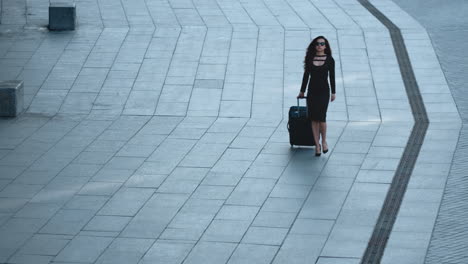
<point>393,200</point>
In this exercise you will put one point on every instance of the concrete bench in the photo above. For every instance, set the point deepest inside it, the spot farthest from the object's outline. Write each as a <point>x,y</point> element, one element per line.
<point>11,98</point>
<point>62,16</point>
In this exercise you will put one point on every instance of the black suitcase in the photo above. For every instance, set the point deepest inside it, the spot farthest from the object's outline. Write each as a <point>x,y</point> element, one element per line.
<point>299,126</point>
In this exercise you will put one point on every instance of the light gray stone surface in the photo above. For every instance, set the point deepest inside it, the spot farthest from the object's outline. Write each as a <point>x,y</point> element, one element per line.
<point>156,132</point>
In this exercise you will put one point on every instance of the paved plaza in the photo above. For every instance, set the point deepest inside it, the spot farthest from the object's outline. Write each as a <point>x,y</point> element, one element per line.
<point>156,132</point>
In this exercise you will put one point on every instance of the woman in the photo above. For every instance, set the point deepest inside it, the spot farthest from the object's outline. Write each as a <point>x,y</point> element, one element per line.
<point>318,66</point>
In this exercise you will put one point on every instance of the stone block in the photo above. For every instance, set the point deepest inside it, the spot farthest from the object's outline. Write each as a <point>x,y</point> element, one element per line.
<point>11,98</point>
<point>62,16</point>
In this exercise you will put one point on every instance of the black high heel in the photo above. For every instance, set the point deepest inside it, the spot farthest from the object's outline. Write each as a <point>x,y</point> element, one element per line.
<point>325,150</point>
<point>317,154</point>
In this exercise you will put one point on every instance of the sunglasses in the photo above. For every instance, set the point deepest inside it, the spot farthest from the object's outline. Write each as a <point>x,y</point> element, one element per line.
<point>320,44</point>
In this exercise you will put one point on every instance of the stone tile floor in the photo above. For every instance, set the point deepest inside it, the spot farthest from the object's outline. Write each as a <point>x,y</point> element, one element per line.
<point>156,133</point>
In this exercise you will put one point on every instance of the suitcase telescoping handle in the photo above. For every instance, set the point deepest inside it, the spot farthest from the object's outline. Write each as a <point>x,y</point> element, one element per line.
<point>307,110</point>
<point>298,101</point>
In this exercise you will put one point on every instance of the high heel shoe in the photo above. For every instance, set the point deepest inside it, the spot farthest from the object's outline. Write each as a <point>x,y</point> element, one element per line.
<point>317,154</point>
<point>325,150</point>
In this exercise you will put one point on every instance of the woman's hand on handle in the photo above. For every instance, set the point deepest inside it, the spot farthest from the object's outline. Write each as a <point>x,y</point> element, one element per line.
<point>301,95</point>
<point>333,97</point>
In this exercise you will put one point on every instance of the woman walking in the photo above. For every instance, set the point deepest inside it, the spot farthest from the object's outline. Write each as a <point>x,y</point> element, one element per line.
<point>318,66</point>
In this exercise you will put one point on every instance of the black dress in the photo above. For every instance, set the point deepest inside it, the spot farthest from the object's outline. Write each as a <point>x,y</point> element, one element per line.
<point>318,92</point>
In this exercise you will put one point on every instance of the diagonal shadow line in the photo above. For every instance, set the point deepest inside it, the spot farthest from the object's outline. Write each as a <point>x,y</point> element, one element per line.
<point>393,200</point>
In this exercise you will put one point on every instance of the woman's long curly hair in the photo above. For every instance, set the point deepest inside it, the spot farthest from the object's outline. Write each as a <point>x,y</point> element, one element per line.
<point>311,51</point>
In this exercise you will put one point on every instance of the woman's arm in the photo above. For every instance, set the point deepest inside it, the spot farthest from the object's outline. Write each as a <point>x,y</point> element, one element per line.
<point>332,76</point>
<point>305,80</point>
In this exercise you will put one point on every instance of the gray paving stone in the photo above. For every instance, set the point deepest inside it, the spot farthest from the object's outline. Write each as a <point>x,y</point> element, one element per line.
<point>145,181</point>
<point>109,234</point>
<point>136,151</point>
<point>23,225</point>
<point>312,226</point>
<point>346,159</point>
<point>53,196</point>
<point>30,259</point>
<point>212,192</point>
<point>222,178</point>
<point>380,164</point>
<point>86,202</point>
<point>125,250</point>
<point>105,145</point>
<point>348,171</point>
<point>409,240</point>
<point>251,192</point>
<point>98,158</point>
<point>226,231</point>
<point>331,260</point>
<point>15,241</point>
<point>166,251</point>
<point>20,190</point>
<point>192,233</point>
<point>290,191</point>
<point>126,202</point>
<point>265,236</point>
<point>112,175</point>
<point>11,172</point>
<point>124,163</point>
<point>246,253</point>
<point>202,206</point>
<point>157,167</point>
<point>100,188</point>
<point>376,176</point>
<point>147,224</point>
<point>79,170</point>
<point>38,210</point>
<point>66,183</point>
<point>83,249</point>
<point>404,255</point>
<point>282,205</point>
<point>316,207</point>
<point>268,172</point>
<point>12,205</point>
<point>219,252</point>
<point>239,167</point>
<point>49,245</point>
<point>67,222</point>
<point>107,223</point>
<point>240,154</point>
<point>274,219</point>
<point>300,248</point>
<point>4,183</point>
<point>333,184</point>
<point>232,212</point>
<point>413,224</point>
<point>344,249</point>
<point>185,219</point>
<point>178,186</point>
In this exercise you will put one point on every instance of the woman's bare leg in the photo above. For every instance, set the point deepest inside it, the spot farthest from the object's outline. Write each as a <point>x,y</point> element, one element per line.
<point>316,131</point>
<point>323,133</point>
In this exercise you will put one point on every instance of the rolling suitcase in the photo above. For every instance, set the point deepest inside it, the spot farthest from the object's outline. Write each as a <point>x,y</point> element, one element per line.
<point>299,126</point>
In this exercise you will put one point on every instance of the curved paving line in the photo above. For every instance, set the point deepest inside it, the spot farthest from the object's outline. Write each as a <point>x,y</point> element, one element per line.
<point>391,206</point>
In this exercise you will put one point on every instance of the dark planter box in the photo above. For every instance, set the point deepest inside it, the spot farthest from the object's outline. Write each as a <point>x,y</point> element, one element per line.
<point>62,16</point>
<point>11,98</point>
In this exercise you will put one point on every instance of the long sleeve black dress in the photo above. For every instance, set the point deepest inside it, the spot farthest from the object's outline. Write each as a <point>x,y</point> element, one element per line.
<point>318,92</point>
